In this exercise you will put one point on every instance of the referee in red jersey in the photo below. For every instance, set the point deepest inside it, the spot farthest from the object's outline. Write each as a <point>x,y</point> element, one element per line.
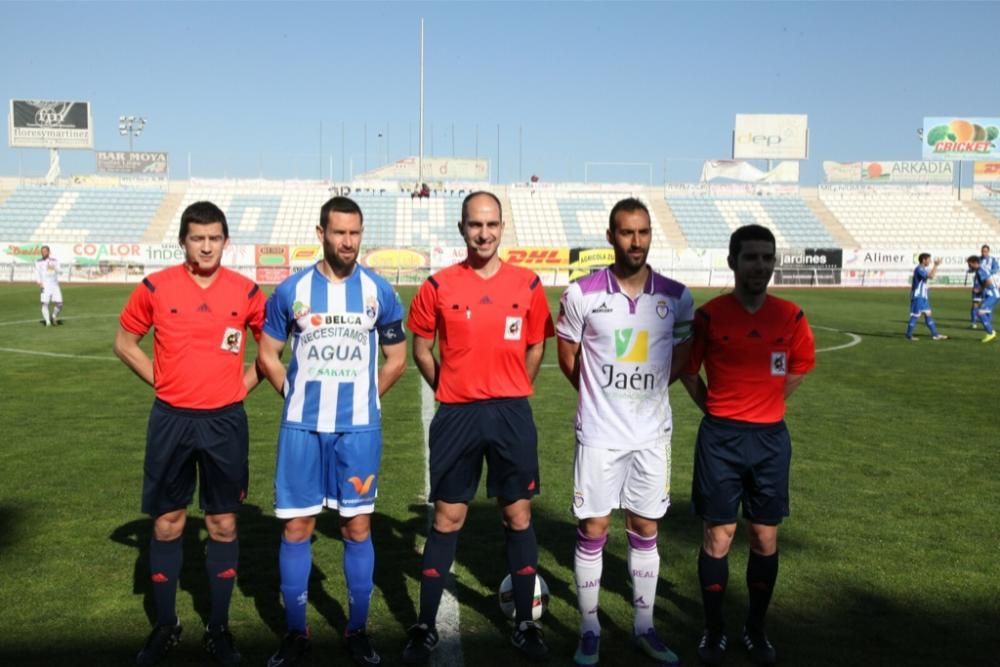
<point>197,426</point>
<point>490,320</point>
<point>756,349</point>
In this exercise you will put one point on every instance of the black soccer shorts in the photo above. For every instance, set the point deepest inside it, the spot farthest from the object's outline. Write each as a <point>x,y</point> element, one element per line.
<point>185,445</point>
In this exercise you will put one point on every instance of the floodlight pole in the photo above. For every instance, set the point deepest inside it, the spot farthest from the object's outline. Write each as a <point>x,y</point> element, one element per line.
<point>420,157</point>
<point>130,126</point>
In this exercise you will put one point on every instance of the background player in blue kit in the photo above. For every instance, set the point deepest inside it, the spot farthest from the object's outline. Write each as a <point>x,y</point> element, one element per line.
<point>986,287</point>
<point>330,442</point>
<point>920,303</point>
<point>992,267</point>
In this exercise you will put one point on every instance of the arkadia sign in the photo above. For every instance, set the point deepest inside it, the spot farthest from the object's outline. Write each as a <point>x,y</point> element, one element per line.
<point>45,124</point>
<point>810,266</point>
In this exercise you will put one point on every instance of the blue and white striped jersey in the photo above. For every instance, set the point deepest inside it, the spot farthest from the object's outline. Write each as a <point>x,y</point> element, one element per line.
<point>336,328</point>
<point>979,281</point>
<point>990,263</point>
<point>919,289</point>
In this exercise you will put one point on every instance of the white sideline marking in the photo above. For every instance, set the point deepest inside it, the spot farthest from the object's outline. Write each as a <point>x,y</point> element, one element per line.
<point>449,650</point>
<point>855,339</point>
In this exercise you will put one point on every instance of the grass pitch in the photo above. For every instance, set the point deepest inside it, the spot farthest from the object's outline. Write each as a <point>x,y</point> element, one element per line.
<point>890,556</point>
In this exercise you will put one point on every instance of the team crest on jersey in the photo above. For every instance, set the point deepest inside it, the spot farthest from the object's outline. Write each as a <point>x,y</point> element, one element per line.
<point>371,308</point>
<point>512,330</point>
<point>662,309</point>
<point>299,309</point>
<point>232,340</point>
<point>578,499</point>
<point>779,363</point>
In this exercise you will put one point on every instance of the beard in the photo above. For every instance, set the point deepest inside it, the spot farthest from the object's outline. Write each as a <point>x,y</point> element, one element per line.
<point>336,261</point>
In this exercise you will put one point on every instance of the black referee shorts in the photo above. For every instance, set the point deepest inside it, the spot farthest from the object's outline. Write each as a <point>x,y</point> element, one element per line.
<point>741,463</point>
<point>502,431</point>
<point>182,445</point>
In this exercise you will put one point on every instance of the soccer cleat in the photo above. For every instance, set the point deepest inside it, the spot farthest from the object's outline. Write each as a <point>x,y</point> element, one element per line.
<point>59,322</point>
<point>161,639</point>
<point>294,646</point>
<point>912,338</point>
<point>587,650</point>
<point>218,642</point>
<point>650,644</point>
<point>988,338</point>
<point>360,648</point>
<point>527,638</point>
<point>939,337</point>
<point>421,640</point>
<point>761,650</point>
<point>973,326</point>
<point>712,648</point>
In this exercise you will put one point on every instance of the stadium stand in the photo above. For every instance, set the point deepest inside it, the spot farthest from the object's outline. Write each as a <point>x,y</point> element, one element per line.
<point>897,216</point>
<point>707,222</point>
<point>991,204</point>
<point>566,218</point>
<point>37,213</point>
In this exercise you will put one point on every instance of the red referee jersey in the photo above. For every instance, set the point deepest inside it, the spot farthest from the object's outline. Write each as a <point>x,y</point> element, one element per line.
<point>748,356</point>
<point>484,326</point>
<point>199,335</point>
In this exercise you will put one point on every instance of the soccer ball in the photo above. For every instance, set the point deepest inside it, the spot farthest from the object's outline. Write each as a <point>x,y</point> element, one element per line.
<point>538,605</point>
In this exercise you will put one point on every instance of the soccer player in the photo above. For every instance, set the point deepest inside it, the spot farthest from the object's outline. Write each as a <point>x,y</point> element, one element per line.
<point>338,314</point>
<point>988,290</point>
<point>200,311</point>
<point>756,349</point>
<point>920,303</point>
<point>992,267</point>
<point>491,320</point>
<point>47,276</point>
<point>624,333</point>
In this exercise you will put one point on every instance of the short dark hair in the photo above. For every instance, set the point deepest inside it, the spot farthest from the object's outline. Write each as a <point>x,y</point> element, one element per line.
<point>922,256</point>
<point>985,247</point>
<point>972,258</point>
<point>339,205</point>
<point>749,233</point>
<point>465,203</point>
<point>202,213</point>
<point>629,205</point>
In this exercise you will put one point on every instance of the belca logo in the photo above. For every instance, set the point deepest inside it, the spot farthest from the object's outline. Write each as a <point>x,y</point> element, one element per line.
<point>632,345</point>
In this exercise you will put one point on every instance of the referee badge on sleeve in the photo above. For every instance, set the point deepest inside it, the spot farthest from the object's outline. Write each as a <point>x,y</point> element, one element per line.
<point>232,340</point>
<point>779,364</point>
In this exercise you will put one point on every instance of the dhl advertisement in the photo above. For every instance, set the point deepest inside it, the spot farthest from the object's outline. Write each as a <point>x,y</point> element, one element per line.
<point>536,258</point>
<point>987,172</point>
<point>948,138</point>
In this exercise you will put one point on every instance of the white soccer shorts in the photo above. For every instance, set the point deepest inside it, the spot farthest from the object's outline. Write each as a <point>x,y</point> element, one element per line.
<point>637,480</point>
<point>52,295</point>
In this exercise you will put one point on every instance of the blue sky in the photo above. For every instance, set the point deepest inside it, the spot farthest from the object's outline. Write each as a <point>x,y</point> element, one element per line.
<point>243,88</point>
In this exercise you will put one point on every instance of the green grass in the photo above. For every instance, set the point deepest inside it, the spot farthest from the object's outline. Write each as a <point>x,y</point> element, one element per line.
<point>890,555</point>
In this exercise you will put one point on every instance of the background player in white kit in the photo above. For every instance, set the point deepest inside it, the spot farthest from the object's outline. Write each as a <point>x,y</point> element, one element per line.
<point>47,276</point>
<point>624,335</point>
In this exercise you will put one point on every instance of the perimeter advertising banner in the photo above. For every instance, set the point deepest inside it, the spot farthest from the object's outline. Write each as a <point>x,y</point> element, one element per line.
<point>584,261</point>
<point>799,267</point>
<point>927,171</point>
<point>536,258</point>
<point>950,138</point>
<point>771,137</point>
<point>987,172</point>
<point>153,165</point>
<point>271,262</point>
<point>46,124</point>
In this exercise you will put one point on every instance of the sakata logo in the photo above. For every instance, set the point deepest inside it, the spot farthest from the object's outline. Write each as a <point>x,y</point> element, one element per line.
<point>361,487</point>
<point>632,345</point>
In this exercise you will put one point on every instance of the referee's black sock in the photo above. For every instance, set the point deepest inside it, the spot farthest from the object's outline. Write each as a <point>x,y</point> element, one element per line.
<point>762,573</point>
<point>221,562</point>
<point>522,561</point>
<point>165,558</point>
<point>713,575</point>
<point>439,554</point>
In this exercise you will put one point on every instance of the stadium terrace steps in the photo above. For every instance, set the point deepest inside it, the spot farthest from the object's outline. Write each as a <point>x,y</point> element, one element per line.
<point>840,235</point>
<point>668,225</point>
<point>988,211</point>
<point>3,196</point>
<point>169,208</point>
<point>510,233</point>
